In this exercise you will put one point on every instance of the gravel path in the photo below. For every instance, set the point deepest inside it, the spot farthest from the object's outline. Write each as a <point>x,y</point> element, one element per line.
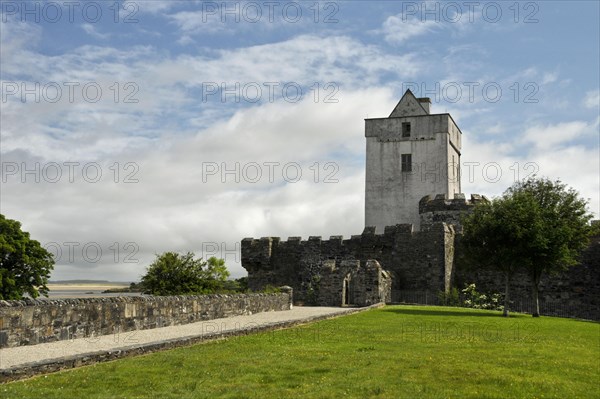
<point>19,356</point>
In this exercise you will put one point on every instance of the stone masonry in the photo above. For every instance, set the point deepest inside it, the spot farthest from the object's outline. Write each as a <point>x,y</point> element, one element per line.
<point>451,211</point>
<point>415,260</point>
<point>350,283</point>
<point>422,261</point>
<point>577,288</point>
<point>31,322</point>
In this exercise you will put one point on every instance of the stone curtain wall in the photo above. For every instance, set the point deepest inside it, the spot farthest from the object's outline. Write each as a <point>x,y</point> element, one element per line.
<point>416,260</point>
<point>31,322</point>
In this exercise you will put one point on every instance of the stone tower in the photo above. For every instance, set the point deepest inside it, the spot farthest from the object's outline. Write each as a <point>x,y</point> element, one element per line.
<point>410,154</point>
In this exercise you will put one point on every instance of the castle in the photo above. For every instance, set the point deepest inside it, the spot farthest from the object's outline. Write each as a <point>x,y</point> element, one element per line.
<point>413,209</point>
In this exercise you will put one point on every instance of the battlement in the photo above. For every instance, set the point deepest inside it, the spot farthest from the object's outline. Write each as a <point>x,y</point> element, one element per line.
<point>442,203</point>
<point>266,245</point>
<point>451,211</point>
<point>400,248</point>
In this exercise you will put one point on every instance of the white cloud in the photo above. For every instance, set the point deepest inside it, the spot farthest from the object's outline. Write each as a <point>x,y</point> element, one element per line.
<point>549,77</point>
<point>198,22</point>
<point>303,59</point>
<point>150,6</point>
<point>92,31</point>
<point>592,99</point>
<point>235,18</point>
<point>15,36</point>
<point>398,28</point>
<point>544,137</point>
<point>168,91</point>
<point>549,150</point>
<point>171,208</point>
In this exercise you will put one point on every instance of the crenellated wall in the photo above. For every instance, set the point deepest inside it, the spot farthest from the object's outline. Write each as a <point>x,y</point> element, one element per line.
<point>416,260</point>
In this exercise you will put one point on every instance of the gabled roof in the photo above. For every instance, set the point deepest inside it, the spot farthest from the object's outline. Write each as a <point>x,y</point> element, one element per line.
<point>408,106</point>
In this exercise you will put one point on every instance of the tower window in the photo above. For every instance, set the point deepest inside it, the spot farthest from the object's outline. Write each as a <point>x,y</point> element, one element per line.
<point>405,129</point>
<point>406,162</point>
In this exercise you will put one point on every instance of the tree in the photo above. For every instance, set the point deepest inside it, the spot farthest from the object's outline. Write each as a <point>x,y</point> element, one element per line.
<point>178,274</point>
<point>538,225</point>
<point>497,234</point>
<point>215,274</point>
<point>561,228</point>
<point>25,266</point>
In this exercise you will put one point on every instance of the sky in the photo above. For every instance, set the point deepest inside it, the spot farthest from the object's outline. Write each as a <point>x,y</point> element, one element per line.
<point>133,128</point>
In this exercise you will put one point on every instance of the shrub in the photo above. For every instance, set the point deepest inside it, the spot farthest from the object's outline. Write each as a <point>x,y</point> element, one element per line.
<point>269,289</point>
<point>180,274</point>
<point>477,300</point>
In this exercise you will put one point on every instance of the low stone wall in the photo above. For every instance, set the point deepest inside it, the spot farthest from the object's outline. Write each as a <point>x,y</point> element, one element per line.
<point>31,322</point>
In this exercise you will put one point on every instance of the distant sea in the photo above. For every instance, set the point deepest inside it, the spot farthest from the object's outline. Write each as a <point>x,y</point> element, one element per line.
<point>85,289</point>
<point>64,294</point>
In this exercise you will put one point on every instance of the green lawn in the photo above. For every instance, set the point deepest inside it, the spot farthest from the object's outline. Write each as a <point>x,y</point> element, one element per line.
<point>392,352</point>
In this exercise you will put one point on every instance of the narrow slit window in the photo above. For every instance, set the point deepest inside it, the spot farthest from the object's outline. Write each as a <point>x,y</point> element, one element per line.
<point>406,162</point>
<point>405,129</point>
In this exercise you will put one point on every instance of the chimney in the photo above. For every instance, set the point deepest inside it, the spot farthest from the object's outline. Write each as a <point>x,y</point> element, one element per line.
<point>425,103</point>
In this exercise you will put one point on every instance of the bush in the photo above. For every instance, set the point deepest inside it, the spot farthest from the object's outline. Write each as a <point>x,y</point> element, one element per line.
<point>180,274</point>
<point>239,285</point>
<point>476,300</point>
<point>269,289</point>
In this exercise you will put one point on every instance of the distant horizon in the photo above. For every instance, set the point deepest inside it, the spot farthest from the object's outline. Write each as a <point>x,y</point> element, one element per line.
<point>83,281</point>
<point>80,281</point>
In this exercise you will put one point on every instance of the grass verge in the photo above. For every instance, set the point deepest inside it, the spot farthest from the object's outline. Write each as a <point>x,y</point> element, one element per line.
<point>392,352</point>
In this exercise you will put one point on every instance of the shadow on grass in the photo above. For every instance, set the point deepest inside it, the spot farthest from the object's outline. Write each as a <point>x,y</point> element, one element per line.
<point>407,310</point>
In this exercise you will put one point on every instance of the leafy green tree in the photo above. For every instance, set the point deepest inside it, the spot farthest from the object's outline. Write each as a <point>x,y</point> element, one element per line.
<point>498,235</point>
<point>538,225</point>
<point>25,266</point>
<point>172,273</point>
<point>595,229</point>
<point>561,226</point>
<point>216,274</point>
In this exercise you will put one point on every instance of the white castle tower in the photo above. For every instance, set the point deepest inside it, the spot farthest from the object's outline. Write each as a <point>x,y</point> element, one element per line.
<point>410,154</point>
